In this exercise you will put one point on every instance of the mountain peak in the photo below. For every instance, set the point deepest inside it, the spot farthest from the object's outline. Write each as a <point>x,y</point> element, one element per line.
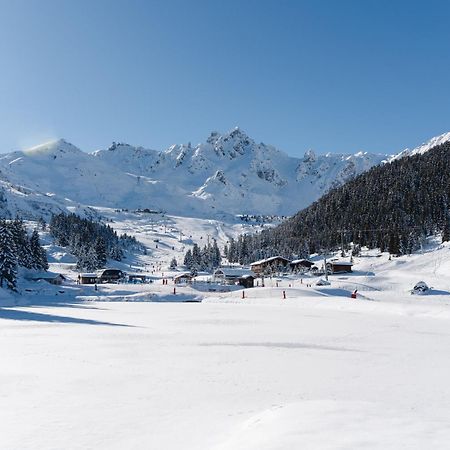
<point>57,146</point>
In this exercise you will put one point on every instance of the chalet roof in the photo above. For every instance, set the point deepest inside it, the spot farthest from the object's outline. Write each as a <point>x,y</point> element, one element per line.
<point>341,263</point>
<point>88,275</point>
<point>233,272</point>
<point>298,261</point>
<point>43,275</point>
<point>266,260</point>
<point>183,275</point>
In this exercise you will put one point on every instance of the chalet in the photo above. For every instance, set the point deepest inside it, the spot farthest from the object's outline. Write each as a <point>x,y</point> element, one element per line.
<point>185,277</point>
<point>87,278</point>
<point>49,277</point>
<point>243,277</point>
<point>339,266</point>
<point>136,278</point>
<point>301,265</point>
<point>111,276</point>
<point>269,265</point>
<point>247,281</point>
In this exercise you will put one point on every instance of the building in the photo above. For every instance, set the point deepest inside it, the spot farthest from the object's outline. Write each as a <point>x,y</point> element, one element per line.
<point>87,278</point>
<point>137,278</point>
<point>301,265</point>
<point>247,281</point>
<point>111,276</point>
<point>185,277</point>
<point>270,265</point>
<point>49,277</point>
<point>339,266</point>
<point>230,275</point>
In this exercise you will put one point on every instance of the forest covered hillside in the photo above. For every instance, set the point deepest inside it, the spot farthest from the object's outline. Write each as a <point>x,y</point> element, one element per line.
<point>391,207</point>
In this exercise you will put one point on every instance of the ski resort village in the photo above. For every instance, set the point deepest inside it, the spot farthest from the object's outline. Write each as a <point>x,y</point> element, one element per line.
<point>224,225</point>
<point>132,327</point>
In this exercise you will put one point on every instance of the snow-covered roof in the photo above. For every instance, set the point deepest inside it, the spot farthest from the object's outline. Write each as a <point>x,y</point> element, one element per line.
<point>298,261</point>
<point>266,260</point>
<point>183,275</point>
<point>42,275</point>
<point>341,263</point>
<point>233,272</point>
<point>88,275</point>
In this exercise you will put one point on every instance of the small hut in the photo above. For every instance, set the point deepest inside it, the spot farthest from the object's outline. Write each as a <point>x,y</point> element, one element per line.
<point>87,278</point>
<point>339,266</point>
<point>185,277</point>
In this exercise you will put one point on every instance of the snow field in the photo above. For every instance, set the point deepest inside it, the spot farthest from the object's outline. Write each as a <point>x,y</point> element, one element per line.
<point>222,376</point>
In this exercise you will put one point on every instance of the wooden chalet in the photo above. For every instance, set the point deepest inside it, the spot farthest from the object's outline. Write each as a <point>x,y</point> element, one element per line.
<point>87,278</point>
<point>49,277</point>
<point>185,277</point>
<point>269,265</point>
<point>230,275</point>
<point>339,266</point>
<point>111,276</point>
<point>300,265</point>
<point>247,281</point>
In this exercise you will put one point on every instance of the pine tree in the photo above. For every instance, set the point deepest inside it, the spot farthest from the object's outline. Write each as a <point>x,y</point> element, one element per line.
<point>8,261</point>
<point>446,229</point>
<point>173,263</point>
<point>38,254</point>
<point>22,244</point>
<point>100,250</point>
<point>188,261</point>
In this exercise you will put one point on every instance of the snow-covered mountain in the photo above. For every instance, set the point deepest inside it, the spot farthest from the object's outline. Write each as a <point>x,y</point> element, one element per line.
<point>228,174</point>
<point>232,173</point>
<point>423,148</point>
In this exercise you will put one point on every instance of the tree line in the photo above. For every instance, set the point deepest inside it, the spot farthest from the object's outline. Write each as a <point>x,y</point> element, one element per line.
<point>18,249</point>
<point>393,207</point>
<point>207,258</point>
<point>92,243</point>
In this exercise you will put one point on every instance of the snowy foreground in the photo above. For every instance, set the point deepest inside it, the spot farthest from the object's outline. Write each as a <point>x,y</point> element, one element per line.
<point>136,367</point>
<point>312,371</point>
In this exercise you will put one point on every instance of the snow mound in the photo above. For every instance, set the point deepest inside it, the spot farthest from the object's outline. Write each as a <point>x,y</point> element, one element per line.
<point>322,425</point>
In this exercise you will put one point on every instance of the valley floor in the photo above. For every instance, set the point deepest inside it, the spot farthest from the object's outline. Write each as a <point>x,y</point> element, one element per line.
<point>312,371</point>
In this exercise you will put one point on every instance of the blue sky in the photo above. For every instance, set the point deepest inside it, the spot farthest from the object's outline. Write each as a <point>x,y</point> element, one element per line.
<point>328,75</point>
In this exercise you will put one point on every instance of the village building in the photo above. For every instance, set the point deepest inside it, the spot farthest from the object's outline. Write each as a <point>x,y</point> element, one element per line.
<point>301,265</point>
<point>49,277</point>
<point>136,278</point>
<point>339,266</point>
<point>269,265</point>
<point>185,277</point>
<point>247,281</point>
<point>229,275</point>
<point>111,276</point>
<point>87,278</point>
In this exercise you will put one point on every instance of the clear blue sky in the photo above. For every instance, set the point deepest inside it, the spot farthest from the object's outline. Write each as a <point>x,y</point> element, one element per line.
<point>329,75</point>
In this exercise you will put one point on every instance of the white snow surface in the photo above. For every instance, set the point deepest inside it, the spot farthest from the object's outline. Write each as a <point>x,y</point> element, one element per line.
<point>141,367</point>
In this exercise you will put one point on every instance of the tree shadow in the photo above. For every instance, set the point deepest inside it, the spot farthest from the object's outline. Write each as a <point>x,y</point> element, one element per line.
<point>19,314</point>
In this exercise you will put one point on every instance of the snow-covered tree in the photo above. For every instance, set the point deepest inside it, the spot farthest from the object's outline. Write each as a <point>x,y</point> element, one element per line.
<point>8,260</point>
<point>38,253</point>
